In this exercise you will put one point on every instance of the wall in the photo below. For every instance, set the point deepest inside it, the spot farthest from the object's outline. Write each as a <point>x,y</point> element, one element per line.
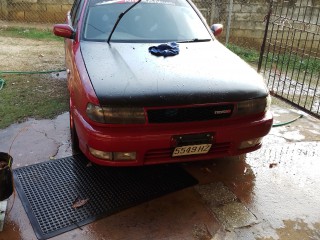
<point>52,11</point>
<point>248,17</point>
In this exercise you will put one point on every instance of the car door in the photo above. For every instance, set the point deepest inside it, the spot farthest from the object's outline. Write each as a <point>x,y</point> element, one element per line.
<point>72,44</point>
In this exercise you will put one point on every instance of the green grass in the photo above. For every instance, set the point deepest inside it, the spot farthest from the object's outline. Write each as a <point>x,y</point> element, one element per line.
<point>283,62</point>
<point>293,62</point>
<point>249,55</point>
<point>31,33</point>
<point>35,96</point>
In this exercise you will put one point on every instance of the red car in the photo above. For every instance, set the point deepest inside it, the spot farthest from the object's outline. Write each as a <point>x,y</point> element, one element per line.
<point>150,84</point>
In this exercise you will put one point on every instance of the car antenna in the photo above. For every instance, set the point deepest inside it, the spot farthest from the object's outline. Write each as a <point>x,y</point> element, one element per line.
<point>119,18</point>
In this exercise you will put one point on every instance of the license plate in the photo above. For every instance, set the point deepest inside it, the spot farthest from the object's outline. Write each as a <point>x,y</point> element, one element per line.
<point>191,150</point>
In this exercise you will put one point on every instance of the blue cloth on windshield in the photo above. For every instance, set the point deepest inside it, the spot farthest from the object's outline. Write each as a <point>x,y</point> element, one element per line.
<point>165,50</point>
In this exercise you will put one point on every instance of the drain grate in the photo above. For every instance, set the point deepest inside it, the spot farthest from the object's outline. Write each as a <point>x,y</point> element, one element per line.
<point>47,191</point>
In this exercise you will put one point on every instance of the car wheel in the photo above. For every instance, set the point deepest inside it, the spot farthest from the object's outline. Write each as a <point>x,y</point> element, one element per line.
<point>73,135</point>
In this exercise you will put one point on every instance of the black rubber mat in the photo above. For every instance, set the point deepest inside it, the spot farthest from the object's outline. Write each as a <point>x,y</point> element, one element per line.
<point>48,190</point>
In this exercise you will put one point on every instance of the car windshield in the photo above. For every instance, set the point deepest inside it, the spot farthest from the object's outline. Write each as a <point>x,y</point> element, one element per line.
<point>148,21</point>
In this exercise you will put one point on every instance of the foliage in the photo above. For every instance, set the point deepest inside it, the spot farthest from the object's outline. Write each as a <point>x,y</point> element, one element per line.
<point>31,33</point>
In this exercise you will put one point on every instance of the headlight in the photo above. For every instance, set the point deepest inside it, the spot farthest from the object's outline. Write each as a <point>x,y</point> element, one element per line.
<point>119,115</point>
<point>253,106</point>
<point>95,113</point>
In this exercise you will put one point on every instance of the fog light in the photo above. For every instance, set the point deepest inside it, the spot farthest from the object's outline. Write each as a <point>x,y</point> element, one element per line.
<point>117,156</point>
<point>101,154</point>
<point>124,156</point>
<point>250,143</point>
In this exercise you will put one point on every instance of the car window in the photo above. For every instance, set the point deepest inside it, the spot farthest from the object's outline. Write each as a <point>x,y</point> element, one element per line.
<point>148,21</point>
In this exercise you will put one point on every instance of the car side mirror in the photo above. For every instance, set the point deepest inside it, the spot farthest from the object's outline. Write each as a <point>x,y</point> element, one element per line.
<point>217,29</point>
<point>63,30</point>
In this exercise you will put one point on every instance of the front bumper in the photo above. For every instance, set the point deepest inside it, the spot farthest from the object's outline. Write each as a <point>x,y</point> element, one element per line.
<point>153,142</point>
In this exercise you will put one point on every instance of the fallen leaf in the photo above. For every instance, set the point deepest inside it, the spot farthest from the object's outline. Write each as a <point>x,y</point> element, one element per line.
<point>77,203</point>
<point>205,169</point>
<point>3,165</point>
<point>271,165</point>
<point>89,164</point>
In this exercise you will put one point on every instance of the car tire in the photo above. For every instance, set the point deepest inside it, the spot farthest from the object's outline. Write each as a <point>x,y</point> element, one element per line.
<point>73,135</point>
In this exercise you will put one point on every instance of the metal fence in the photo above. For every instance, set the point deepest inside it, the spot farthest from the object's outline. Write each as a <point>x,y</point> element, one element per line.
<point>290,57</point>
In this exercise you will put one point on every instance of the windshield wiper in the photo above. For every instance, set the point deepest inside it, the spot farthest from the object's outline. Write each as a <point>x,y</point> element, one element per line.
<point>196,40</point>
<point>119,18</point>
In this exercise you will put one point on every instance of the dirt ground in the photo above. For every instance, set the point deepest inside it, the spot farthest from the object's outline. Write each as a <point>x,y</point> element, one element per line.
<point>21,54</point>
<point>21,92</point>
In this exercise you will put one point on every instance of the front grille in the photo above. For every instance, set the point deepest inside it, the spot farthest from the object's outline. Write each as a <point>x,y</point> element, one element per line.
<point>157,154</point>
<point>190,114</point>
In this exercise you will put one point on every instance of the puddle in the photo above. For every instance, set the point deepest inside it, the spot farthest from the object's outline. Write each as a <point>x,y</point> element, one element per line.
<point>297,229</point>
<point>290,189</point>
<point>293,136</point>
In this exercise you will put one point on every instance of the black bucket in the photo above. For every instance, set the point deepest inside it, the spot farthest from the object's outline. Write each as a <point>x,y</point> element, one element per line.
<point>6,180</point>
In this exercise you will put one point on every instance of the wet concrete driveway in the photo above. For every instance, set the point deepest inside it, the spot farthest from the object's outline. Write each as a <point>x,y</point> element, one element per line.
<point>273,193</point>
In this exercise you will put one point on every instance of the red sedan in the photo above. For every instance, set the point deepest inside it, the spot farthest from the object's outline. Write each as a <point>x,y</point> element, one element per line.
<point>150,84</point>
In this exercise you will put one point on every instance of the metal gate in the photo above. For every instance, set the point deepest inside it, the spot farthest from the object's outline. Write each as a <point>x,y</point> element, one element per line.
<point>290,57</point>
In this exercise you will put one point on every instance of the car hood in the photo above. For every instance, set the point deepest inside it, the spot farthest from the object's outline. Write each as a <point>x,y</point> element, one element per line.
<point>126,74</point>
